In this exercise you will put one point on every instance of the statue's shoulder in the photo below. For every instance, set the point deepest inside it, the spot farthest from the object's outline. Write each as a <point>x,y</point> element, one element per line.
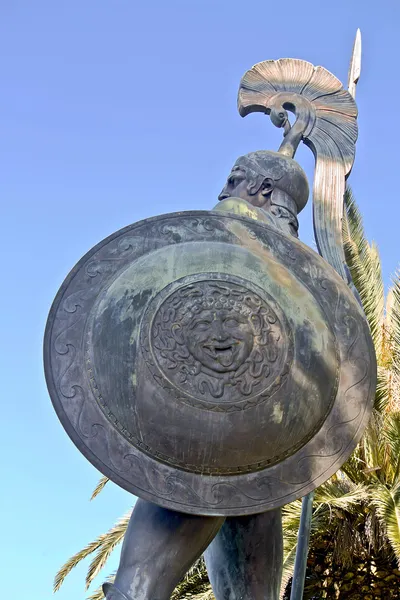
<point>240,207</point>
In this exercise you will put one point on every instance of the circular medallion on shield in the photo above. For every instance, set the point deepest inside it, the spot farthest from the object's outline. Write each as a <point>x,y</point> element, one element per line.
<point>216,340</point>
<point>210,364</point>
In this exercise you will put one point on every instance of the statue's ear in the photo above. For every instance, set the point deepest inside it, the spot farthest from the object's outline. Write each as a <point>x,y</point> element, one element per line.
<point>267,186</point>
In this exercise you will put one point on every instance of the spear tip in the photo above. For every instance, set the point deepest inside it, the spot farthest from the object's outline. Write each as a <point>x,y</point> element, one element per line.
<point>355,64</point>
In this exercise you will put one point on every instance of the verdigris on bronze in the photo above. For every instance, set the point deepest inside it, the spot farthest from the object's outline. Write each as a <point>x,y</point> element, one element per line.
<point>211,363</point>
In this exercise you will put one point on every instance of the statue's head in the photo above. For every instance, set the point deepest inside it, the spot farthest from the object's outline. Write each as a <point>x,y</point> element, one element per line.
<point>268,179</point>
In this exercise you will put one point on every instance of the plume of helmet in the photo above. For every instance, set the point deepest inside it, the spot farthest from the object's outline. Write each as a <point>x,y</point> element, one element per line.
<point>325,120</point>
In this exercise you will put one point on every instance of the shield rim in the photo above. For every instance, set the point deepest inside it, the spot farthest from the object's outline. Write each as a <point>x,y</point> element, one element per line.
<point>260,506</point>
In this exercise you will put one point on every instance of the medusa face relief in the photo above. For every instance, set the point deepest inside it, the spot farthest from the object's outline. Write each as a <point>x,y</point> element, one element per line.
<point>218,339</point>
<point>221,340</point>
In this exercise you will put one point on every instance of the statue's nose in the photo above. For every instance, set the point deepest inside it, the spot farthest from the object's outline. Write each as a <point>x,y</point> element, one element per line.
<point>224,194</point>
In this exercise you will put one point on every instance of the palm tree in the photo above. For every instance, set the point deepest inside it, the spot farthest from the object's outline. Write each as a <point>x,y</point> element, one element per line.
<point>355,540</point>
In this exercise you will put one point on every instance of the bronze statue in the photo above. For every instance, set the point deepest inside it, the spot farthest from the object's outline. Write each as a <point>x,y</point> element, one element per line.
<point>212,364</point>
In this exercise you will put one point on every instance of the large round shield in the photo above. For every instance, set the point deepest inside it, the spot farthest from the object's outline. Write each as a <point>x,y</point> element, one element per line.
<point>209,363</point>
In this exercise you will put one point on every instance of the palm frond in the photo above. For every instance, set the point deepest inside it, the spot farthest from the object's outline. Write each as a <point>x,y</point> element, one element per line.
<point>393,317</point>
<point>195,582</point>
<point>331,498</point>
<point>198,567</point>
<point>386,356</point>
<point>353,469</point>
<point>73,562</point>
<point>99,487</point>
<point>337,503</point>
<point>291,516</point>
<point>204,592</point>
<point>365,267</point>
<point>289,557</point>
<point>387,504</point>
<point>112,537</point>
<point>109,541</point>
<point>98,593</point>
<point>207,595</point>
<point>385,389</point>
<point>390,435</point>
<point>340,493</point>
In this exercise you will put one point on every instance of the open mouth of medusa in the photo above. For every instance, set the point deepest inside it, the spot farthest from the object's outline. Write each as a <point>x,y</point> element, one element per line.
<point>219,350</point>
<point>220,339</point>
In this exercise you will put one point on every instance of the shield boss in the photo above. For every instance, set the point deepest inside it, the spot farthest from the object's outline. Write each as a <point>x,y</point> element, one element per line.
<point>209,363</point>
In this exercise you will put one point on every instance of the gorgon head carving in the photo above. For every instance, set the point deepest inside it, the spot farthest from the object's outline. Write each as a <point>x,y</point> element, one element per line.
<point>210,333</point>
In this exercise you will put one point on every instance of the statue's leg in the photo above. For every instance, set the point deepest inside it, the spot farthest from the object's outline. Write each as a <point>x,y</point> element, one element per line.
<point>244,561</point>
<point>159,547</point>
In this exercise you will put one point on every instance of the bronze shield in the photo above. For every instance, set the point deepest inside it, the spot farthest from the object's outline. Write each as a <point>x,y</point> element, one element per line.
<point>210,364</point>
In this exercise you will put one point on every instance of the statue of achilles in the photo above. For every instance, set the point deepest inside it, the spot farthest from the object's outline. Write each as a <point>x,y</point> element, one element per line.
<point>244,554</point>
<point>212,364</point>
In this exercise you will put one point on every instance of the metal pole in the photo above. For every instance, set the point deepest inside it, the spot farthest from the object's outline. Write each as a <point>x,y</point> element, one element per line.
<point>303,539</point>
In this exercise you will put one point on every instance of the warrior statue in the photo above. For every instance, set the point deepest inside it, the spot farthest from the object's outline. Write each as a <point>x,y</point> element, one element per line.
<point>212,364</point>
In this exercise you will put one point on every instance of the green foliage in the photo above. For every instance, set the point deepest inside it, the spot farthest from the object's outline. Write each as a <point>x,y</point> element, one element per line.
<point>101,548</point>
<point>356,518</point>
<point>99,487</point>
<point>98,593</point>
<point>195,582</point>
<point>365,267</point>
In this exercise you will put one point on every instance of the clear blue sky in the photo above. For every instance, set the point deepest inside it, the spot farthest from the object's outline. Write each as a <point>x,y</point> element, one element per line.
<point>112,111</point>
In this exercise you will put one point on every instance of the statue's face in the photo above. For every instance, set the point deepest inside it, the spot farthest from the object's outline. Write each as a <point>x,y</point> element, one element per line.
<point>237,187</point>
<point>220,340</point>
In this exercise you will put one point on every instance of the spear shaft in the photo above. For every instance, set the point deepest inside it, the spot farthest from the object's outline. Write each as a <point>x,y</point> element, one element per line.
<point>303,537</point>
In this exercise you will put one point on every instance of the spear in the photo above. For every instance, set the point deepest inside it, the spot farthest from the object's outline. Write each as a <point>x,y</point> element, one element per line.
<point>355,65</point>
<point>303,537</point>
